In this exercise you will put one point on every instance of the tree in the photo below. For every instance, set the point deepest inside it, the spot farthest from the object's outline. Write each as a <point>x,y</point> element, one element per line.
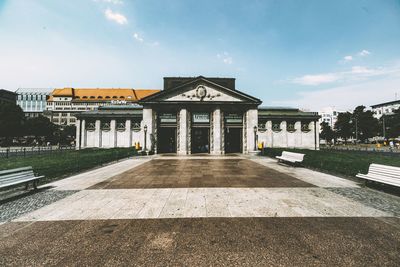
<point>343,126</point>
<point>392,124</point>
<point>40,127</point>
<point>327,133</point>
<point>364,124</point>
<point>11,121</point>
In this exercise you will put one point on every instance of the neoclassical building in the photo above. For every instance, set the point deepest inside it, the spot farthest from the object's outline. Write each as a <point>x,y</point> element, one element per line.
<point>197,115</point>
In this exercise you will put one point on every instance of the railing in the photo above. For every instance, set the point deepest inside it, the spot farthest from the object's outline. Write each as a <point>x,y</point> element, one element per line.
<point>33,151</point>
<point>362,149</point>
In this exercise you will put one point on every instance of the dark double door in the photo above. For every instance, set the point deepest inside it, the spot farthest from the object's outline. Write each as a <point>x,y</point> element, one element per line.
<point>233,140</point>
<point>200,140</point>
<point>166,140</point>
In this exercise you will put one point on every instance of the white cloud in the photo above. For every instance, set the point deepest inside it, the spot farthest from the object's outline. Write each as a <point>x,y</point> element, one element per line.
<point>354,74</point>
<point>346,97</point>
<point>348,58</point>
<point>316,79</point>
<point>115,2</point>
<point>137,37</point>
<point>116,17</point>
<point>225,58</point>
<point>364,53</point>
<point>155,43</point>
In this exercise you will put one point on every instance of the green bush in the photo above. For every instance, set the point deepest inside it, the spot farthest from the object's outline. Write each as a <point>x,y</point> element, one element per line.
<point>347,163</point>
<point>58,165</point>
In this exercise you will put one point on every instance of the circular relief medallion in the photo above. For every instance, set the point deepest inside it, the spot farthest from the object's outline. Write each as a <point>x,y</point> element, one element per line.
<point>201,91</point>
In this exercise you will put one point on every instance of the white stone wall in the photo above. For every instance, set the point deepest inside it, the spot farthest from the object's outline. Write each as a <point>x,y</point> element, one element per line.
<point>183,132</point>
<point>285,139</point>
<point>217,132</point>
<point>147,121</point>
<point>251,121</point>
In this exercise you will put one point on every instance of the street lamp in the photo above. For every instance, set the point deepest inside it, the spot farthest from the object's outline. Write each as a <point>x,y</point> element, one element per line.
<point>145,137</point>
<point>255,137</point>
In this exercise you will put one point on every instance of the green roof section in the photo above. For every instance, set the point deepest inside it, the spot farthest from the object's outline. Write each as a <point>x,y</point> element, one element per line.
<point>286,113</point>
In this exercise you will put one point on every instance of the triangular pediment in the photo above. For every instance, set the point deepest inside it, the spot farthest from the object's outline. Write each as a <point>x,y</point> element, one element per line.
<point>200,90</point>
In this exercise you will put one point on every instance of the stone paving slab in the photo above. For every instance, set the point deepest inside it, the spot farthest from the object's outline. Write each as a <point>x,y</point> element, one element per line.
<point>89,178</point>
<point>14,208</point>
<point>203,242</point>
<point>202,202</point>
<point>195,173</point>
<point>309,176</point>
<point>372,198</point>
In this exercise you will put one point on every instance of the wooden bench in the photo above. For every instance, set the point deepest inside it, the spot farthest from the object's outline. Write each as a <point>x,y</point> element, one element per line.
<point>19,176</point>
<point>291,157</point>
<point>382,174</point>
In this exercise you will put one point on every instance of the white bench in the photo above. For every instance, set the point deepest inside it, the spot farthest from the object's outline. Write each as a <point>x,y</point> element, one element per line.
<point>382,174</point>
<point>18,176</point>
<point>291,157</point>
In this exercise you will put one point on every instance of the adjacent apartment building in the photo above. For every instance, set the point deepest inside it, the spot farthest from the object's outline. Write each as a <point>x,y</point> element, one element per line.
<point>329,115</point>
<point>386,108</point>
<point>63,104</point>
<point>33,100</point>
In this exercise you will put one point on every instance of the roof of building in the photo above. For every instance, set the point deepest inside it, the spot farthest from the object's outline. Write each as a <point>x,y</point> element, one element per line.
<point>386,104</point>
<point>130,111</point>
<point>102,94</point>
<point>34,91</point>
<point>286,112</point>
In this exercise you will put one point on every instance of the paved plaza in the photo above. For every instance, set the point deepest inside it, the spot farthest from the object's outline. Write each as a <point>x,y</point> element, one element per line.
<point>202,210</point>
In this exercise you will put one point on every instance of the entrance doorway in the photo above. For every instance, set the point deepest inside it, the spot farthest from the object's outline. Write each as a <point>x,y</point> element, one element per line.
<point>200,140</point>
<point>233,140</point>
<point>166,140</point>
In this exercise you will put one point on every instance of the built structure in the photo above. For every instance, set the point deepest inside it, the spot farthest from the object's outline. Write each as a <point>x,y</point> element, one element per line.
<point>64,103</point>
<point>32,100</point>
<point>197,115</point>
<point>386,108</point>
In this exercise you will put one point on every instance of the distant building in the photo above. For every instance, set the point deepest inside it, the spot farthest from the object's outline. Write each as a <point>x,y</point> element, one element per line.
<point>386,108</point>
<point>7,96</point>
<point>64,103</point>
<point>32,100</point>
<point>329,115</point>
<point>196,115</point>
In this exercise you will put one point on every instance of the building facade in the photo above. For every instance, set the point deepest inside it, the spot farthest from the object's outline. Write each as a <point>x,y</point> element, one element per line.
<point>7,96</point>
<point>329,115</point>
<point>386,108</point>
<point>33,100</point>
<point>197,115</point>
<point>64,103</point>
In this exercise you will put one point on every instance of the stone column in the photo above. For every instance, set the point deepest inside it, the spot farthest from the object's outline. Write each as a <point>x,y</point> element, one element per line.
<point>217,130</point>
<point>83,136</point>
<point>317,126</point>
<point>97,134</point>
<point>78,135</point>
<point>113,133</point>
<point>147,121</point>
<point>270,134</point>
<point>128,132</point>
<point>252,120</point>
<point>183,132</point>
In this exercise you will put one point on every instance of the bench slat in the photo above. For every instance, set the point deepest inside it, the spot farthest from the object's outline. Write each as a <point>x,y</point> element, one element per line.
<point>16,175</point>
<point>21,181</point>
<point>383,174</point>
<point>16,170</point>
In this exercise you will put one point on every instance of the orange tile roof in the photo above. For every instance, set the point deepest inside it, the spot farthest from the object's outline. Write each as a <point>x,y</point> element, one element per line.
<point>102,94</point>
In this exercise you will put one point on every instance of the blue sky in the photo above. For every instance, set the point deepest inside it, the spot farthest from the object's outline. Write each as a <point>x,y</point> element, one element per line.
<point>307,54</point>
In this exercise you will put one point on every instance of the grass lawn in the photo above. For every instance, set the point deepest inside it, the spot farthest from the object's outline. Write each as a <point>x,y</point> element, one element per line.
<point>57,165</point>
<point>346,163</point>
